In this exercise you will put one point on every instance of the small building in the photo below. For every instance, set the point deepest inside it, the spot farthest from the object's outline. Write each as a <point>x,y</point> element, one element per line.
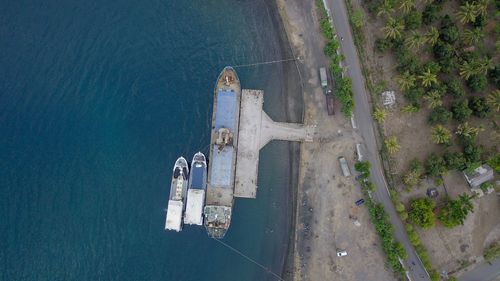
<point>479,176</point>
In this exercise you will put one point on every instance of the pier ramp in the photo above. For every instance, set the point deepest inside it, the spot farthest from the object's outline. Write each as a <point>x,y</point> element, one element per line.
<point>256,129</point>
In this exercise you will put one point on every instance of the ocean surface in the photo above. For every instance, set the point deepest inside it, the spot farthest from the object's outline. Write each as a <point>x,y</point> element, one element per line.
<point>97,101</point>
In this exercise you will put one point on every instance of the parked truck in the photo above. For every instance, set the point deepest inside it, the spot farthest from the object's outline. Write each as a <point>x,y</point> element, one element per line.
<point>327,85</point>
<point>344,167</point>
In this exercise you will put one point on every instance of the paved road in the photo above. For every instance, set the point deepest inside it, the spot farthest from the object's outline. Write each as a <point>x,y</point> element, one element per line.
<point>364,121</point>
<point>483,272</point>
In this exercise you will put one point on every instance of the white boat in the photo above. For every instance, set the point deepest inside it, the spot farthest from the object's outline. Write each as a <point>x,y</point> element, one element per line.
<point>196,190</point>
<point>178,190</point>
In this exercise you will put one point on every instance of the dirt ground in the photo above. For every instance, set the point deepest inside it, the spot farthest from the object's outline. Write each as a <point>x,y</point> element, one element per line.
<point>327,218</point>
<point>450,249</point>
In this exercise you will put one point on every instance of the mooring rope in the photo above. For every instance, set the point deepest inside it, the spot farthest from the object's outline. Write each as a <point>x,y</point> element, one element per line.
<point>266,62</point>
<point>250,259</point>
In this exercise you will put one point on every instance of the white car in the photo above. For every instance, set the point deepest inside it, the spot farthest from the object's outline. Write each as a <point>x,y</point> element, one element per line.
<point>341,253</point>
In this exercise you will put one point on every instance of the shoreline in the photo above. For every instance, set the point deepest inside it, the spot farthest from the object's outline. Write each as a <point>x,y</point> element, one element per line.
<point>293,103</point>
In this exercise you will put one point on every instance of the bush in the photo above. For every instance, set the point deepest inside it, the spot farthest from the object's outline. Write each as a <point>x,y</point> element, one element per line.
<point>385,230</point>
<point>445,55</point>
<point>477,83</point>
<point>449,31</point>
<point>363,167</point>
<point>494,75</point>
<point>492,252</point>
<point>435,165</point>
<point>382,44</point>
<point>455,211</point>
<point>461,110</point>
<point>439,115</point>
<point>413,237</point>
<point>455,161</point>
<point>472,153</point>
<point>430,13</point>
<point>455,88</point>
<point>421,212</point>
<point>414,95</point>
<point>494,162</point>
<point>479,107</point>
<point>413,20</point>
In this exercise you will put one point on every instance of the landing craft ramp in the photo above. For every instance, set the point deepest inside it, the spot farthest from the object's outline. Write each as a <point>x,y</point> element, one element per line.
<point>255,131</point>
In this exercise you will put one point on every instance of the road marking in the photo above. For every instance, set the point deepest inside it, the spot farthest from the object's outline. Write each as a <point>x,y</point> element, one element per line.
<point>353,123</point>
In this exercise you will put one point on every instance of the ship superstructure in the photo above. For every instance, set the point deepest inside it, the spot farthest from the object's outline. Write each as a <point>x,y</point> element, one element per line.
<point>223,148</point>
<point>196,190</point>
<point>177,198</point>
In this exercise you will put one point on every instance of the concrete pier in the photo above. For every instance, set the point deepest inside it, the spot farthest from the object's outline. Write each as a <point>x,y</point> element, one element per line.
<point>256,129</point>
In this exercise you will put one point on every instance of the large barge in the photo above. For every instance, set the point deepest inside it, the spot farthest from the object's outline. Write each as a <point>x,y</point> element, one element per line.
<point>177,199</point>
<point>223,148</point>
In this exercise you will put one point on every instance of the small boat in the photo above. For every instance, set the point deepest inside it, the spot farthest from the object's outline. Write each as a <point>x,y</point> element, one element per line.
<point>196,190</point>
<point>178,190</point>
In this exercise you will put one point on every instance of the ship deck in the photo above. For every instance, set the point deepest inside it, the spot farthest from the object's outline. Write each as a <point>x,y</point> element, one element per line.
<point>256,129</point>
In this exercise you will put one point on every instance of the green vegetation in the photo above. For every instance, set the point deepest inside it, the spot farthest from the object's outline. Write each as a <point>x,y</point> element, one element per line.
<point>363,167</point>
<point>421,212</point>
<point>343,85</point>
<point>414,176</point>
<point>392,144</point>
<point>494,162</point>
<point>393,249</point>
<point>446,55</point>
<point>384,228</point>
<point>435,165</point>
<point>455,211</point>
<point>492,252</point>
<point>440,135</point>
<point>379,115</point>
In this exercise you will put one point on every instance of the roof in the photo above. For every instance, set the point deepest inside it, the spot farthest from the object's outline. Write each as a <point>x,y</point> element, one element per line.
<point>174,215</point>
<point>225,116</point>
<point>194,207</point>
<point>480,175</point>
<point>221,168</point>
<point>198,174</point>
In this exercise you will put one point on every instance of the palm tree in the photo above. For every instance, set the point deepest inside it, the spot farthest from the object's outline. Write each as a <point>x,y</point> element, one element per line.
<point>407,5</point>
<point>379,115</point>
<point>468,68</point>
<point>465,202</point>
<point>393,28</point>
<point>434,99</point>
<point>482,7</point>
<point>406,81</point>
<point>466,131</point>
<point>440,135</point>
<point>409,109</point>
<point>386,9</point>
<point>472,36</point>
<point>484,65</point>
<point>428,78</point>
<point>468,13</point>
<point>432,36</point>
<point>493,100</point>
<point>392,144</point>
<point>415,40</point>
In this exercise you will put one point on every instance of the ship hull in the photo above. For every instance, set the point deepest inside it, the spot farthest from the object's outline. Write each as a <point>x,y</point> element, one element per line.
<point>223,146</point>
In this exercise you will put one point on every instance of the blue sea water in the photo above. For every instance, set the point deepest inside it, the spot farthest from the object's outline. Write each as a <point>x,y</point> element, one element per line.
<point>97,100</point>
